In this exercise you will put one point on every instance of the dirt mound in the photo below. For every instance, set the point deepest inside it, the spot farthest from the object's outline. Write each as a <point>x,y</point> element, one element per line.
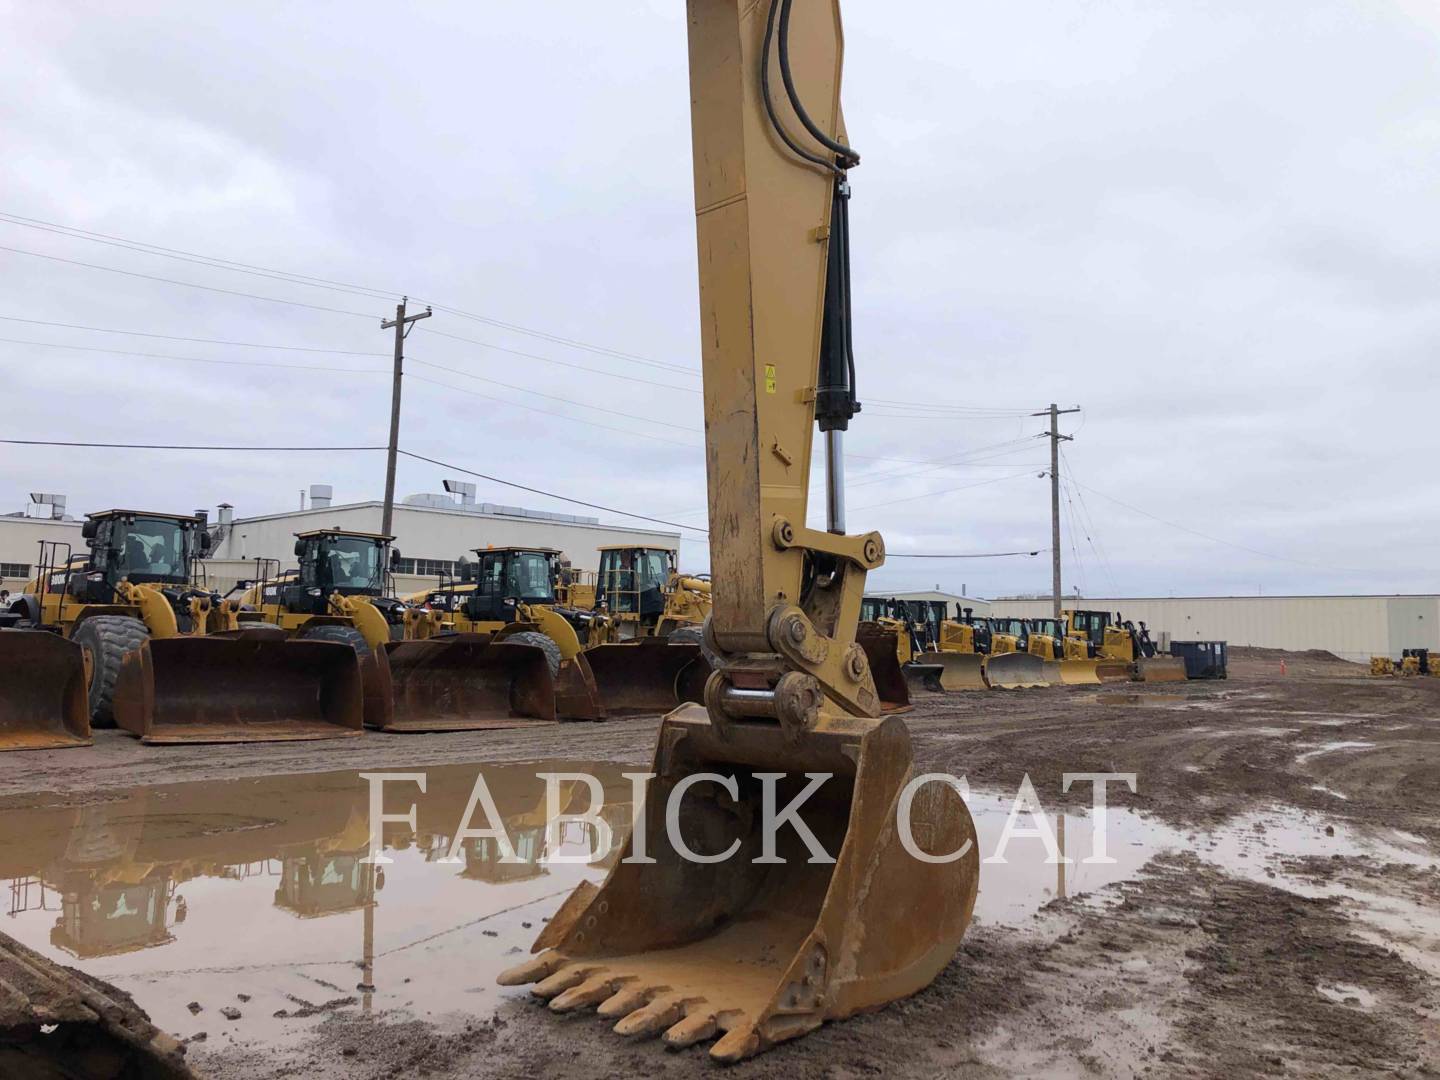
<point>1258,652</point>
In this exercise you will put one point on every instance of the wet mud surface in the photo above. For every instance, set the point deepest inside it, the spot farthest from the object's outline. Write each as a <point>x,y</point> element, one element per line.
<point>1273,907</point>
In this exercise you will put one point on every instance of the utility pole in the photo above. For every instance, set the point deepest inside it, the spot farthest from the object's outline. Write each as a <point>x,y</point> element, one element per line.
<point>401,323</point>
<point>1055,412</point>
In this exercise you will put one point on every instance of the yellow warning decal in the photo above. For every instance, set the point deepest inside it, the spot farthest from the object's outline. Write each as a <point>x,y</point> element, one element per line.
<point>769,378</point>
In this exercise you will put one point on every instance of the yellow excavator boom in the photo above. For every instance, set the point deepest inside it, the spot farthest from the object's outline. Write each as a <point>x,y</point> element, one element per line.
<point>759,946</point>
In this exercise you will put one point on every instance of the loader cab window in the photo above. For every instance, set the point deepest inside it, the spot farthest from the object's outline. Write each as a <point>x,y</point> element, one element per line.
<point>145,549</point>
<point>349,564</point>
<point>871,608</point>
<point>632,580</point>
<point>528,577</point>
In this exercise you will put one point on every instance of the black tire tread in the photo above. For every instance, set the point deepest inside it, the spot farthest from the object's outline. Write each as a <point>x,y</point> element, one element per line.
<point>109,638</point>
<point>541,641</point>
<point>338,632</point>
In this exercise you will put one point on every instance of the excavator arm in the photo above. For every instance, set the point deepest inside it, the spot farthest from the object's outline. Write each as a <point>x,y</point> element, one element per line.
<point>727,925</point>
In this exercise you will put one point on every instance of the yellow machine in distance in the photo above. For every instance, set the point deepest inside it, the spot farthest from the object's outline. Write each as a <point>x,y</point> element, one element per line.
<point>642,594</point>
<point>1067,659</point>
<point>1123,649</point>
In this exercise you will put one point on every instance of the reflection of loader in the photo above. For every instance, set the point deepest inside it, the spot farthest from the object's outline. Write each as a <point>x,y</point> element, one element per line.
<point>460,683</point>
<point>135,599</point>
<point>740,948</point>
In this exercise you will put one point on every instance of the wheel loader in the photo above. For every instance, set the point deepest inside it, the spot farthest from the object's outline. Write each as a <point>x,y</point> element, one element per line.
<point>644,639</point>
<point>723,929</point>
<point>1124,650</point>
<point>158,650</point>
<point>415,679</point>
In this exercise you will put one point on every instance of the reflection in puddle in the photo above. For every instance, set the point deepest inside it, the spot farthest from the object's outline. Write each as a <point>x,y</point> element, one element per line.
<point>251,894</point>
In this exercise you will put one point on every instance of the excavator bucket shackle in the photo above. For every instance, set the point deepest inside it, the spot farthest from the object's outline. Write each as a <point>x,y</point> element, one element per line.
<point>765,946</point>
<point>43,702</point>
<point>251,686</point>
<point>650,676</point>
<point>465,682</point>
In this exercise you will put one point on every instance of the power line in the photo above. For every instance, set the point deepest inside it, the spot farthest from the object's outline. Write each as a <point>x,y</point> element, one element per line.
<point>174,446</point>
<point>945,491</point>
<point>194,340</point>
<point>193,359</point>
<point>982,555</point>
<point>187,284</point>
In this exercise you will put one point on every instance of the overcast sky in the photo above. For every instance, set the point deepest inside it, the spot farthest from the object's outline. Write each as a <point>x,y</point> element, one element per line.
<point>1210,224</point>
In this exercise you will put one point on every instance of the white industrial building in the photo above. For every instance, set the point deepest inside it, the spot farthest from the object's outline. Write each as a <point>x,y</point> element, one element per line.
<point>1352,627</point>
<point>431,532</point>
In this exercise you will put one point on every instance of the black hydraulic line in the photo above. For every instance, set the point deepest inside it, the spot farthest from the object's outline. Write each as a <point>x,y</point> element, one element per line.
<point>785,137</point>
<point>846,154</point>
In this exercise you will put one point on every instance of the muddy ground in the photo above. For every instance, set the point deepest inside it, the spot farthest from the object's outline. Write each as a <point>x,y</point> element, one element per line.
<point>1230,952</point>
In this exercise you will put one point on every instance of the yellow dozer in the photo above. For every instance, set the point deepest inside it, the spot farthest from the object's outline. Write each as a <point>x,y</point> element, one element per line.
<point>896,647</point>
<point>1009,665</point>
<point>958,651</point>
<point>730,925</point>
<point>645,637</point>
<point>415,679</point>
<point>1123,649</point>
<point>137,601</point>
<point>1067,659</point>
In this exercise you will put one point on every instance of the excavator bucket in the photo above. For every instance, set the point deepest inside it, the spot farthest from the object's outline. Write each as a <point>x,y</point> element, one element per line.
<point>1077,672</point>
<point>255,686</point>
<point>1161,669</point>
<point>759,950</point>
<point>890,685</point>
<point>958,671</point>
<point>43,703</point>
<point>643,677</point>
<point>467,682</point>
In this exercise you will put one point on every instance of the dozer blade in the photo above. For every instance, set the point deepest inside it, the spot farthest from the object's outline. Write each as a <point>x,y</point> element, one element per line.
<point>1078,672</point>
<point>467,682</point>
<point>1108,671</point>
<point>1014,671</point>
<point>43,702</point>
<point>1051,673</point>
<point>958,671</point>
<point>890,686</point>
<point>642,677</point>
<point>1161,669</point>
<point>248,687</point>
<point>760,952</point>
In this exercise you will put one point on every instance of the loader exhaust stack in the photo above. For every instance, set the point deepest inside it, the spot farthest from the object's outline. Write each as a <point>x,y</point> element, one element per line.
<point>255,686</point>
<point>467,682</point>
<point>760,952</point>
<point>649,676</point>
<point>43,702</point>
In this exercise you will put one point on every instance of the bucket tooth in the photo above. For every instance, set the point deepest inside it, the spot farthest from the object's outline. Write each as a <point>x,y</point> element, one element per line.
<point>43,694</point>
<point>765,952</point>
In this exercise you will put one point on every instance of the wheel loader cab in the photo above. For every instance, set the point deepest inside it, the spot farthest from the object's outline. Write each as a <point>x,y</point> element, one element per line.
<point>348,563</point>
<point>507,577</point>
<point>150,549</point>
<point>632,581</point>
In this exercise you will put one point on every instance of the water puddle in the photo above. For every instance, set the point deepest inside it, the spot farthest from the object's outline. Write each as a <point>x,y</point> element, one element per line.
<point>1357,997</point>
<point>250,896</point>
<point>1157,700</point>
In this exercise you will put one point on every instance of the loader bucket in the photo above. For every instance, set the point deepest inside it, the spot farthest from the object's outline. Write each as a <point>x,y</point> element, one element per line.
<point>958,671</point>
<point>758,952</point>
<point>1014,671</point>
<point>250,687</point>
<point>1161,669</point>
<point>466,682</point>
<point>43,702</point>
<point>1078,672</point>
<point>641,678</point>
<point>922,676</point>
<point>890,684</point>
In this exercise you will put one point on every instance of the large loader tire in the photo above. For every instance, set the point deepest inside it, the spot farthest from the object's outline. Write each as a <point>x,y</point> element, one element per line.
<point>685,635</point>
<point>340,633</point>
<point>541,641</point>
<point>107,638</point>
